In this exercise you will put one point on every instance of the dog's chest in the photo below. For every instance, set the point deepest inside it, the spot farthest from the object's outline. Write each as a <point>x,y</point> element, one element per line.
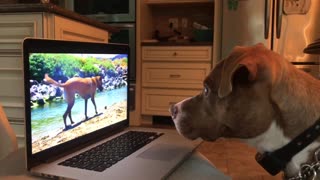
<point>270,140</point>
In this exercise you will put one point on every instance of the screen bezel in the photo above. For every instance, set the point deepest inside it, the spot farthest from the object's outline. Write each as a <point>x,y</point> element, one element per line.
<point>31,45</point>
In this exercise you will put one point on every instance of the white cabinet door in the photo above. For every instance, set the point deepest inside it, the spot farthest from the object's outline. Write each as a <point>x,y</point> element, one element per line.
<point>13,29</point>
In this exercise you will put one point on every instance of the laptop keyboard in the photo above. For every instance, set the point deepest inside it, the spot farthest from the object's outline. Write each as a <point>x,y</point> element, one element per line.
<point>109,153</point>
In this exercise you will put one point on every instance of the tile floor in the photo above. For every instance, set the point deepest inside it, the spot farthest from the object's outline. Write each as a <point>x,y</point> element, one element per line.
<point>235,159</point>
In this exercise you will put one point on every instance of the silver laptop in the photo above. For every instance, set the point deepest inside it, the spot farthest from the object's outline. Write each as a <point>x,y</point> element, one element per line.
<point>77,117</point>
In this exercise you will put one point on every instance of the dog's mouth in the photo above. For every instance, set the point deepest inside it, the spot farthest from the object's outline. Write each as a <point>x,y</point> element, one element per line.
<point>192,134</point>
<point>100,89</point>
<point>189,131</point>
<point>186,130</point>
<point>208,138</point>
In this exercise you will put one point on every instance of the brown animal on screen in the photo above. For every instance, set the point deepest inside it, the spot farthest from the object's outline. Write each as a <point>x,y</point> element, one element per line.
<point>85,87</point>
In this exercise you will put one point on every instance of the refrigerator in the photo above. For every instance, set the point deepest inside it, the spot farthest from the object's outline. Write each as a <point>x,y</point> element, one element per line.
<point>284,26</point>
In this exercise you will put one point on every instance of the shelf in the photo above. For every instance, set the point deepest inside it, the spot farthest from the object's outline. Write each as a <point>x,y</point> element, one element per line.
<point>155,2</point>
<point>176,43</point>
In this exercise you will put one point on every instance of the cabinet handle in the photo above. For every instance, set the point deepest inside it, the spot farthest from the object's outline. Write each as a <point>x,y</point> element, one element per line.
<point>266,18</point>
<point>175,75</point>
<point>279,18</point>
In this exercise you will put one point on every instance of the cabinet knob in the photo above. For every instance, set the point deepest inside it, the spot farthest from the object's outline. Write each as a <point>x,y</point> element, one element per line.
<point>175,54</point>
<point>175,75</point>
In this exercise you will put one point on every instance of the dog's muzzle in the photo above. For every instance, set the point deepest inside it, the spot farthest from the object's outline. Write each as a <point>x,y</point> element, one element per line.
<point>175,109</point>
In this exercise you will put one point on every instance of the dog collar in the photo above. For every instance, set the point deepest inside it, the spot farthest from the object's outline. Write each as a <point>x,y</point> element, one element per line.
<point>307,170</point>
<point>276,161</point>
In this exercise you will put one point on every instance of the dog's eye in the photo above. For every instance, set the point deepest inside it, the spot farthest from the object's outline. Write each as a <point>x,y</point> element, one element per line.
<point>206,91</point>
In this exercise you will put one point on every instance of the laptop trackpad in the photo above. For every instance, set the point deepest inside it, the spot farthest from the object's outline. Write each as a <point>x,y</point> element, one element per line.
<point>162,152</point>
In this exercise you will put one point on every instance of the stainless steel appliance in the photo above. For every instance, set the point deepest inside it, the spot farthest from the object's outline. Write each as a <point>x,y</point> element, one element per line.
<point>105,10</point>
<point>127,35</point>
<point>284,26</point>
<point>120,14</point>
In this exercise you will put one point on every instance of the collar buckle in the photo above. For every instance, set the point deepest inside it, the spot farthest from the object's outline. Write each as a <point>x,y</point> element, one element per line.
<point>271,163</point>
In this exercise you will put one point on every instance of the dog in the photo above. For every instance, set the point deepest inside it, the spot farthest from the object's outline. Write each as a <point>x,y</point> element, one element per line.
<point>257,96</point>
<point>85,87</point>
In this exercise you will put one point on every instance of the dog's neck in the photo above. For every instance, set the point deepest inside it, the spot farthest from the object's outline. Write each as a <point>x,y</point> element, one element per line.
<point>296,96</point>
<point>274,139</point>
<point>298,109</point>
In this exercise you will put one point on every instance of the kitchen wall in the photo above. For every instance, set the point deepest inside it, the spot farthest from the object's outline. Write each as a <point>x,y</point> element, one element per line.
<point>201,13</point>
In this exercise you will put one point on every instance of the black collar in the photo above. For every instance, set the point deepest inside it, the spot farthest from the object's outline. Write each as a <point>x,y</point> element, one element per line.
<point>276,161</point>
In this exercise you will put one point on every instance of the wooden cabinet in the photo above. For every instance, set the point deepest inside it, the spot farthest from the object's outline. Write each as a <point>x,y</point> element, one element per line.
<point>177,1</point>
<point>14,27</point>
<point>157,101</point>
<point>68,29</point>
<point>177,53</point>
<point>174,75</point>
<point>169,71</point>
<point>171,74</point>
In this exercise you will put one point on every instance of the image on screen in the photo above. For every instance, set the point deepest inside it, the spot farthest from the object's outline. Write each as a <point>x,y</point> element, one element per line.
<point>72,95</point>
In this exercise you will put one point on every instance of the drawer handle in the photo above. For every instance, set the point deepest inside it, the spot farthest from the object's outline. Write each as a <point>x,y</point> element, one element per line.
<point>175,54</point>
<point>175,75</point>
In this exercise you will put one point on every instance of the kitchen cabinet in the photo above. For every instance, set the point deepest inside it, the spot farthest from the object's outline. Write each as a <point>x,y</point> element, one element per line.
<point>174,75</point>
<point>169,71</point>
<point>157,101</point>
<point>14,27</point>
<point>177,1</point>
<point>171,74</point>
<point>177,53</point>
<point>68,29</point>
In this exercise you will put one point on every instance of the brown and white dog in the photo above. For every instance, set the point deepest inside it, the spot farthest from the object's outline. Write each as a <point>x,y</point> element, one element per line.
<point>85,87</point>
<point>255,95</point>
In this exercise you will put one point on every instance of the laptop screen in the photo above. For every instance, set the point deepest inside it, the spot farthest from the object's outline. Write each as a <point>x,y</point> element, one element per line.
<point>71,94</point>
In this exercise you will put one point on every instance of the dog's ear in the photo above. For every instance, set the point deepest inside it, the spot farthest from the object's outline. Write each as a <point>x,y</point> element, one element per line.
<point>239,71</point>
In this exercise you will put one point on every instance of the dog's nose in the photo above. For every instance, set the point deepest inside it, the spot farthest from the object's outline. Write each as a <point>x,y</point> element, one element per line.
<point>174,111</point>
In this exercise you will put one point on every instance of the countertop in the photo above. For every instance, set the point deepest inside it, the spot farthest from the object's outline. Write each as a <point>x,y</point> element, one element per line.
<point>177,43</point>
<point>195,167</point>
<point>51,8</point>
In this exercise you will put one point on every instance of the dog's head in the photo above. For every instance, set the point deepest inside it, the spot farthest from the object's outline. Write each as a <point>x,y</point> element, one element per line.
<point>236,100</point>
<point>98,80</point>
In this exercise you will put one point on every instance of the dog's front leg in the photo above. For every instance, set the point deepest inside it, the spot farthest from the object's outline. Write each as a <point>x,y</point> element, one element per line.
<point>70,117</point>
<point>68,113</point>
<point>64,119</point>
<point>85,108</point>
<point>94,103</point>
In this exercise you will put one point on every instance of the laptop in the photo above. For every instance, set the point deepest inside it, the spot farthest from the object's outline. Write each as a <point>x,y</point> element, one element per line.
<point>77,116</point>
